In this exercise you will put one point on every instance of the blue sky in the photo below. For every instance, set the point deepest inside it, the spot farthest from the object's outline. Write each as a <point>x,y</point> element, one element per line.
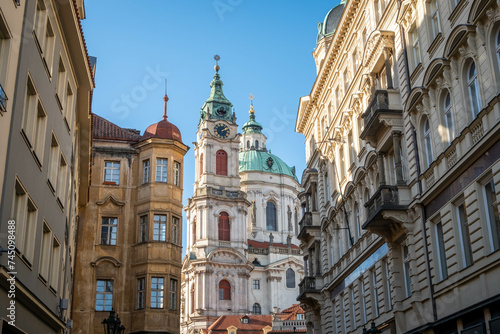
<point>265,48</point>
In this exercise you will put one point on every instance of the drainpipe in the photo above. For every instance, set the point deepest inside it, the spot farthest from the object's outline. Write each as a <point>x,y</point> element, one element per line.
<point>419,172</point>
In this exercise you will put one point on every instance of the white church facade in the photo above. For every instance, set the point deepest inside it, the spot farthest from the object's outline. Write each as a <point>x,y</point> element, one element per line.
<point>242,255</point>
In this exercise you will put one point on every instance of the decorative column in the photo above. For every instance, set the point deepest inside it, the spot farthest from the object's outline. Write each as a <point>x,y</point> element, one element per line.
<point>388,70</point>
<point>396,135</point>
<point>381,169</point>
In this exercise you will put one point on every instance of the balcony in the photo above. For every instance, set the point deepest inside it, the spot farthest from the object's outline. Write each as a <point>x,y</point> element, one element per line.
<point>308,225</point>
<point>382,209</point>
<point>309,292</point>
<point>384,110</point>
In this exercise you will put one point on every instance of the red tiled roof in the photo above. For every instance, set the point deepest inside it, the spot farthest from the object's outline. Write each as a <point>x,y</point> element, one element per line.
<point>255,325</point>
<point>258,244</point>
<point>104,129</point>
<point>291,312</point>
<point>289,331</point>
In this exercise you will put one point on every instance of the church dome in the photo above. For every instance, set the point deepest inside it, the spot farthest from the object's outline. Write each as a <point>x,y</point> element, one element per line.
<point>252,126</point>
<point>163,129</point>
<point>264,161</point>
<point>332,19</point>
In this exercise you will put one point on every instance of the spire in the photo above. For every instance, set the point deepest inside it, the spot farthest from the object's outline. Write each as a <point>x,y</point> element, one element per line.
<point>217,106</point>
<point>252,126</point>
<point>165,98</point>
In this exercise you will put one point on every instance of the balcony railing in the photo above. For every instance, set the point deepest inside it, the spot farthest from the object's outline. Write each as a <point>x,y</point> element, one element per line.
<point>383,102</point>
<point>306,220</point>
<point>385,196</point>
<point>308,285</point>
<point>3,99</point>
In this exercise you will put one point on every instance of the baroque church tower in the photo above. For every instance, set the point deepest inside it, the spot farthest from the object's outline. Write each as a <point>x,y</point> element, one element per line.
<point>241,250</point>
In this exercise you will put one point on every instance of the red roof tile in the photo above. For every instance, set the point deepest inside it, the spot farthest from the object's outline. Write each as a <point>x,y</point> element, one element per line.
<point>256,323</point>
<point>104,129</point>
<point>258,244</point>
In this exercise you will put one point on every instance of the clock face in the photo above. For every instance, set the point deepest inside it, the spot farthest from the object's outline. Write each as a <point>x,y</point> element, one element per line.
<point>221,130</point>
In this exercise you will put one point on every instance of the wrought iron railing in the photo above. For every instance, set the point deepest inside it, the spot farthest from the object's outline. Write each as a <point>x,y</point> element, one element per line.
<point>385,195</point>
<point>308,284</point>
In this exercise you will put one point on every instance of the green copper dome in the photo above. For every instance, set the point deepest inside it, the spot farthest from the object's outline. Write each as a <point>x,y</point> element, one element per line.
<point>263,161</point>
<point>252,126</point>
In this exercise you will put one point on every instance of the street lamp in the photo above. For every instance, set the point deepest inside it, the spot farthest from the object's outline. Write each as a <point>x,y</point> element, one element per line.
<point>372,330</point>
<point>112,324</point>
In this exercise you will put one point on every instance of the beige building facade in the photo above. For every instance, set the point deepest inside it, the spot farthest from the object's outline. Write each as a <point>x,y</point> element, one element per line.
<point>401,221</point>
<point>129,248</point>
<point>46,87</point>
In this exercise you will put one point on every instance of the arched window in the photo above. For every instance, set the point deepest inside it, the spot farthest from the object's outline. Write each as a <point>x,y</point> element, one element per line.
<point>201,164</point>
<point>194,231</point>
<point>248,143</point>
<point>256,309</point>
<point>428,142</point>
<point>271,216</point>
<point>497,47</point>
<point>221,163</point>
<point>224,290</point>
<point>256,144</point>
<point>474,95</point>
<point>224,228</point>
<point>448,117</point>
<point>358,220</point>
<point>296,218</point>
<point>290,278</point>
<point>192,298</point>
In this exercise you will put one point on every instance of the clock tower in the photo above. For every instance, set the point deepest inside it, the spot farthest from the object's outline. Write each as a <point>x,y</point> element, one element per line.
<point>216,268</point>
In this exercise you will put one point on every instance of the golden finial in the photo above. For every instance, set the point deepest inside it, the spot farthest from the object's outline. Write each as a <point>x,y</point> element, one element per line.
<point>251,111</point>
<point>217,67</point>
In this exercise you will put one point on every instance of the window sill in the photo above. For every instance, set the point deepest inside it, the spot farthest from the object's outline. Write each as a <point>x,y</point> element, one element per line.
<point>109,183</point>
<point>59,202</point>
<point>51,187</point>
<point>59,104</point>
<point>42,279</point>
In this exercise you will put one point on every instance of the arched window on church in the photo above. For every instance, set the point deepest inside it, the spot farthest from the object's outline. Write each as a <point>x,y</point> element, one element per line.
<point>201,164</point>
<point>192,298</point>
<point>248,143</point>
<point>224,228</point>
<point>224,290</point>
<point>256,144</point>
<point>256,309</point>
<point>290,278</point>
<point>271,216</point>
<point>194,231</point>
<point>221,163</point>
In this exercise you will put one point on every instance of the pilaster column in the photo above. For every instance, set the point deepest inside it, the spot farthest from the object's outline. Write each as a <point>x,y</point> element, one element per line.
<point>388,70</point>
<point>381,169</point>
<point>396,135</point>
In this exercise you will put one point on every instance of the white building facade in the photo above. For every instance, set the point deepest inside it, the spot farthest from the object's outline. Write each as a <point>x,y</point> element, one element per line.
<point>242,254</point>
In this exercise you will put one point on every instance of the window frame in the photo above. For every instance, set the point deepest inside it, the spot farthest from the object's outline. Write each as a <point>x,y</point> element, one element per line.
<point>174,232</point>
<point>224,290</point>
<point>107,283</point>
<point>271,216</point>
<point>157,294</point>
<point>290,281</point>
<point>224,227</point>
<point>448,116</point>
<point>161,170</point>
<point>174,284</point>
<point>427,139</point>
<point>440,251</point>
<point>141,293</point>
<point>110,172</point>
<point>256,309</point>
<point>160,227</point>
<point>221,161</point>
<point>111,231</point>
<point>177,173</point>
<point>143,228</point>
<point>492,218</point>
<point>146,171</point>
<point>464,245</point>
<point>256,284</point>
<point>472,82</point>
<point>405,257</point>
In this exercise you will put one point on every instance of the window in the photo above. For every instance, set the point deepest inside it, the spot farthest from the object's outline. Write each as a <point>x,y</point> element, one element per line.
<point>358,220</point>
<point>428,143</point>
<point>111,172</point>
<point>448,118</point>
<point>342,162</point>
<point>61,81</point>
<point>54,264</point>
<point>157,286</point>
<point>493,216</point>
<point>464,235</point>
<point>34,121</point>
<point>201,164</point>
<point>175,230</point>
<point>338,98</point>
<point>45,252</point>
<point>388,282</point>
<point>353,309</point>
<point>355,62</point>
<point>256,144</point>
<point>415,47</point>
<point>221,163</point>
<point>141,285</point>
<point>146,168</point>
<point>173,294</point>
<point>192,298</point>
<point>300,316</point>
<point>177,173</point>
<point>25,214</point>
<point>143,228</point>
<point>497,47</point>
<point>69,108</point>
<point>108,231</point>
<point>332,251</point>
<point>474,95</point>
<point>160,228</point>
<point>376,305</point>
<point>436,26</point>
<point>350,147</point>
<point>161,170</point>
<point>346,80</point>
<point>406,271</point>
<point>224,290</point>
<point>256,309</point>
<point>290,278</point>
<point>40,20</point>
<point>53,156</point>
<point>440,249</point>
<point>224,227</point>
<point>104,295</point>
<point>256,284</point>
<point>339,241</point>
<point>61,180</point>
<point>360,130</point>
<point>327,187</point>
<point>363,301</point>
<point>271,216</point>
<point>48,43</point>
<point>194,231</point>
<point>248,144</point>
